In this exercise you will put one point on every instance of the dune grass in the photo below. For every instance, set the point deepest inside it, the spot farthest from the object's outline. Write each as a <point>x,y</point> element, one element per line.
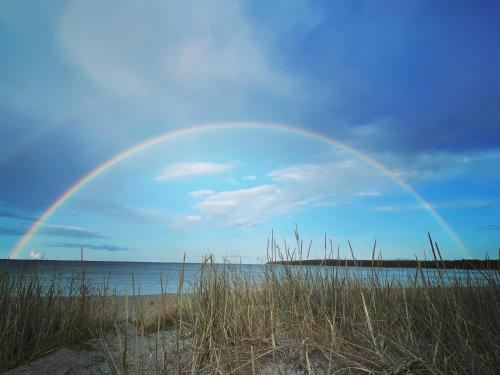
<point>37,317</point>
<point>317,319</point>
<point>330,320</point>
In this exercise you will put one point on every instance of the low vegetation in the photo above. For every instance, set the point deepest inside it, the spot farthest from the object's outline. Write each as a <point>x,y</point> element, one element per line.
<point>38,316</point>
<point>327,320</point>
<point>315,320</point>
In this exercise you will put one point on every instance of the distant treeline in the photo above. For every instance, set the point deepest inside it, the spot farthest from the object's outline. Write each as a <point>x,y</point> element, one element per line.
<point>465,264</point>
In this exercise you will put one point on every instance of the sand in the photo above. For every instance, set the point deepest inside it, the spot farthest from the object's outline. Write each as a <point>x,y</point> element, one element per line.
<point>105,355</point>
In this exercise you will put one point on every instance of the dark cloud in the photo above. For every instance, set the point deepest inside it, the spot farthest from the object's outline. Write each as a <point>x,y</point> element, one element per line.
<point>9,230</point>
<point>38,166</point>
<point>115,210</point>
<point>104,207</point>
<point>105,247</point>
<point>429,69</point>
<point>490,227</point>
<point>68,231</point>
<point>10,214</point>
<point>52,230</point>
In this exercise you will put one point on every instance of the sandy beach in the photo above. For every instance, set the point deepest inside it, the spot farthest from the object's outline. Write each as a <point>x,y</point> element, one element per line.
<point>293,322</point>
<point>105,354</point>
<point>134,343</point>
<point>102,355</point>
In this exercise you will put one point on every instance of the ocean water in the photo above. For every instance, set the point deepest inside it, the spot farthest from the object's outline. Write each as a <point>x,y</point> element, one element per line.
<point>148,278</point>
<point>144,278</point>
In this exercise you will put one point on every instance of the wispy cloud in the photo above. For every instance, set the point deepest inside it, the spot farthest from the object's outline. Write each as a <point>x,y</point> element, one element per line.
<point>366,131</point>
<point>368,193</point>
<point>14,215</point>
<point>105,247</point>
<point>244,207</point>
<point>249,178</point>
<point>52,230</point>
<point>348,177</point>
<point>300,186</point>
<point>431,165</point>
<point>196,46</point>
<point>70,231</point>
<point>441,165</point>
<point>193,218</point>
<point>181,170</point>
<point>318,173</point>
<point>12,230</point>
<point>293,188</point>
<point>184,222</point>
<point>200,193</point>
<point>144,214</point>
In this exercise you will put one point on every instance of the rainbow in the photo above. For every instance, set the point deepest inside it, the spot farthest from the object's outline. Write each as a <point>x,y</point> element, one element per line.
<point>18,248</point>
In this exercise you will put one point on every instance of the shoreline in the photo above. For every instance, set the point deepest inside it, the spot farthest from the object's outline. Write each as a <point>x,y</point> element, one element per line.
<point>299,322</point>
<point>461,264</point>
<point>453,264</point>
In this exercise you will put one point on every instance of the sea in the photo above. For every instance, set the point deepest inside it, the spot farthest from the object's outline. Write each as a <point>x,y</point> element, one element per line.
<point>150,278</point>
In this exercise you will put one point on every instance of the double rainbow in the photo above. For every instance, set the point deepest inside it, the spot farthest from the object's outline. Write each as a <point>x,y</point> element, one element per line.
<point>18,248</point>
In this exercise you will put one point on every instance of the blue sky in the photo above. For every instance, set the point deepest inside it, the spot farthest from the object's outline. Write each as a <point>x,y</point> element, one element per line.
<point>413,84</point>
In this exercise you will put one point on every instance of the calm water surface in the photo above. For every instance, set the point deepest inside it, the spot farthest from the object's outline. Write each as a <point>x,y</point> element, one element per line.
<point>145,277</point>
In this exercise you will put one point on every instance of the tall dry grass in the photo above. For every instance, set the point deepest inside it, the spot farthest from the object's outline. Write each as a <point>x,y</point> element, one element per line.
<point>37,316</point>
<point>326,320</point>
<point>311,320</point>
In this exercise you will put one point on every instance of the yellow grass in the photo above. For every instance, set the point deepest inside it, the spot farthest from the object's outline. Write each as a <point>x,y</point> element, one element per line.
<point>234,322</point>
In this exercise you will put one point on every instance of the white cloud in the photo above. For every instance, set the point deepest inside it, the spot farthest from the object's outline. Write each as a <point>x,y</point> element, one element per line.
<point>293,188</point>
<point>181,170</point>
<point>368,193</point>
<point>193,218</point>
<point>166,47</point>
<point>249,178</point>
<point>200,193</point>
<point>431,165</point>
<point>221,201</point>
<point>300,186</point>
<point>69,227</point>
<point>244,207</point>
<point>35,254</point>
<point>297,173</point>
<point>343,177</point>
<point>185,222</point>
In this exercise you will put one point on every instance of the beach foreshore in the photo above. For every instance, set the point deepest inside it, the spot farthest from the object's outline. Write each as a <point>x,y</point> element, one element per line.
<point>135,339</point>
<point>289,320</point>
<point>106,353</point>
<point>102,354</point>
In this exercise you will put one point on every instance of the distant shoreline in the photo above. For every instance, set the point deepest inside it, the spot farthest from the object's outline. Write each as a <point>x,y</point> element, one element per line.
<point>77,261</point>
<point>464,264</point>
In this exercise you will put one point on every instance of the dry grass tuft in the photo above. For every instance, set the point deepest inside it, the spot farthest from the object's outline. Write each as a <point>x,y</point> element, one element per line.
<point>37,318</point>
<point>290,318</point>
<point>330,320</point>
